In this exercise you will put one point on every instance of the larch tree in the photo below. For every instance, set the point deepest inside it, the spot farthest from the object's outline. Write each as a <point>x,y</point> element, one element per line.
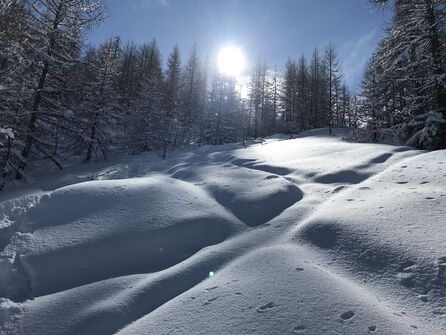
<point>57,26</point>
<point>171,101</point>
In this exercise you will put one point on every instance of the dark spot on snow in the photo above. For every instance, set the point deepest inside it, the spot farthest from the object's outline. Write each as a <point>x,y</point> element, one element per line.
<point>299,269</point>
<point>424,183</point>
<point>430,198</point>
<point>348,315</point>
<point>372,329</point>
<point>413,326</point>
<point>271,177</point>
<point>402,182</point>
<point>265,308</point>
<point>299,329</point>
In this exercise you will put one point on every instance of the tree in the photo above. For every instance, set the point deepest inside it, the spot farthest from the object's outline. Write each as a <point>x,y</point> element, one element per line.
<point>333,79</point>
<point>289,97</point>
<point>55,34</point>
<point>100,110</point>
<point>14,80</point>
<point>191,98</point>
<point>171,101</point>
<point>412,64</point>
<point>145,117</point>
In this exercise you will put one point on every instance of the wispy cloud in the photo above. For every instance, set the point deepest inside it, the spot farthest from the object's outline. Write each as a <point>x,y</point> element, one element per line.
<point>355,56</point>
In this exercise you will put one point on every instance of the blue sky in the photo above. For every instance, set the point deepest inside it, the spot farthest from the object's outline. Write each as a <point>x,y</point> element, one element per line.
<point>272,29</point>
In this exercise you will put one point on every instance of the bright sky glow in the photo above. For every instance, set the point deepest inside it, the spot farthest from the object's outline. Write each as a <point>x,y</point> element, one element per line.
<point>231,61</point>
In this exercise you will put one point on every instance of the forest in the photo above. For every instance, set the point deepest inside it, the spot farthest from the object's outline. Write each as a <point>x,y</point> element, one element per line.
<point>64,101</point>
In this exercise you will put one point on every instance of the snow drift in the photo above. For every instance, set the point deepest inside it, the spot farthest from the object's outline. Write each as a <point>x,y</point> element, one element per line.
<point>314,235</point>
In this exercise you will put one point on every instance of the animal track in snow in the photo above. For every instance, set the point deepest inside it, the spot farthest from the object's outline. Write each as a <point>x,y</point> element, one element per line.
<point>441,271</point>
<point>298,329</point>
<point>266,308</point>
<point>209,301</point>
<point>408,266</point>
<point>372,329</point>
<point>348,315</point>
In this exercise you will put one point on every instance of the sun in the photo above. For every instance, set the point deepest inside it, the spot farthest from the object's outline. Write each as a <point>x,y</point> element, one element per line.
<point>231,61</point>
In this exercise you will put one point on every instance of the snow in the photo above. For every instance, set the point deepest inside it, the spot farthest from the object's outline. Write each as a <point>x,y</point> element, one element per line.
<point>314,235</point>
<point>7,132</point>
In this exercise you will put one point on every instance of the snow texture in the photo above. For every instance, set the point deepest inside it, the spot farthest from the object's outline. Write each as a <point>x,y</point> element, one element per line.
<point>315,235</point>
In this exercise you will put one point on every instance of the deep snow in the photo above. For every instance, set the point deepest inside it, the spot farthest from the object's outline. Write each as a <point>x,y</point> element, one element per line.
<point>315,235</point>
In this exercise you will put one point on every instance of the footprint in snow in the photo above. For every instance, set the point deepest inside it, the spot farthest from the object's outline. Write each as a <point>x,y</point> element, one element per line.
<point>299,269</point>
<point>266,308</point>
<point>441,270</point>
<point>209,301</point>
<point>338,189</point>
<point>372,329</point>
<point>423,298</point>
<point>348,315</point>
<point>299,329</point>
<point>408,266</point>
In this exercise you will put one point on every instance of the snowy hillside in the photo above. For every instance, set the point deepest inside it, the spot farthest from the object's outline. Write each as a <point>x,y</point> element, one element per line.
<point>315,235</point>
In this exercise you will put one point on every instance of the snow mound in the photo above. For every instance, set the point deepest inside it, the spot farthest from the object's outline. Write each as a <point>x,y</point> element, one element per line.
<point>391,231</point>
<point>314,235</point>
<point>255,197</point>
<point>302,297</point>
<point>97,230</point>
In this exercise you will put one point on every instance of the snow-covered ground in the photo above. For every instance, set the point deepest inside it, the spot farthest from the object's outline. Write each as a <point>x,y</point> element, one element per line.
<point>314,235</point>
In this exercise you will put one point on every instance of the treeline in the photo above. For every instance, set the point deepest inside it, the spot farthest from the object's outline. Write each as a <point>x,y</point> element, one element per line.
<point>62,102</point>
<point>309,94</point>
<point>404,93</point>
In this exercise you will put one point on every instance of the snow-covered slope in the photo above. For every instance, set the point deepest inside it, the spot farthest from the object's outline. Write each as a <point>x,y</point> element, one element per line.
<point>314,235</point>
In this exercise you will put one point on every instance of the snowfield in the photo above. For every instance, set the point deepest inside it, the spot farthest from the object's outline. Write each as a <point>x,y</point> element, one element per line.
<point>315,235</point>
